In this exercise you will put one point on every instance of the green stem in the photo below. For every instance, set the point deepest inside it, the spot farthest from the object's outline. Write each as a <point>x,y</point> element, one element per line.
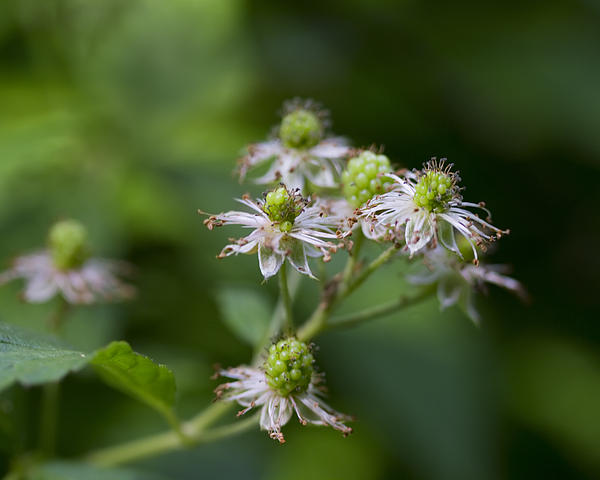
<point>404,301</point>
<point>366,273</point>
<point>285,296</point>
<point>51,391</point>
<point>317,322</point>
<point>276,318</point>
<point>353,257</point>
<point>196,431</point>
<point>49,418</point>
<point>56,319</point>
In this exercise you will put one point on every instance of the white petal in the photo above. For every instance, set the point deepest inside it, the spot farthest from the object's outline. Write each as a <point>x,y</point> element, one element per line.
<point>419,231</point>
<point>269,261</point>
<point>40,288</point>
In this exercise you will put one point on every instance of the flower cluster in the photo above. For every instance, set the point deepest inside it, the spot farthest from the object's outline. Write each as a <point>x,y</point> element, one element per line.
<point>300,152</point>
<point>321,193</point>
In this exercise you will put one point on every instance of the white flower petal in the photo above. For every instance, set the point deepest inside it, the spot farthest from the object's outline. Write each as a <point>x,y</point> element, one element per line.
<point>269,261</point>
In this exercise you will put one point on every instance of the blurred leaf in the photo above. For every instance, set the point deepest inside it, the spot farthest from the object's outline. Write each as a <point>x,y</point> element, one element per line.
<point>33,359</point>
<point>320,454</point>
<point>136,375</point>
<point>555,386</point>
<point>75,471</point>
<point>245,312</point>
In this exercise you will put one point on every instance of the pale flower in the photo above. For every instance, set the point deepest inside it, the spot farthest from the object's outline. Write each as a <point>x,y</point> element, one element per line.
<point>66,268</point>
<point>96,280</point>
<point>425,207</point>
<point>285,385</point>
<point>284,227</point>
<point>457,281</point>
<point>300,152</point>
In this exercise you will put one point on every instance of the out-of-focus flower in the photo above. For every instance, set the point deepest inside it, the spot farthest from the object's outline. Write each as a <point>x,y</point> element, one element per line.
<point>300,152</point>
<point>66,268</point>
<point>426,207</point>
<point>456,280</point>
<point>286,384</point>
<point>285,226</point>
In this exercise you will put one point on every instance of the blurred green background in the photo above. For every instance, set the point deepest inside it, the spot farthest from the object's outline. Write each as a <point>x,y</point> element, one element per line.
<point>129,116</point>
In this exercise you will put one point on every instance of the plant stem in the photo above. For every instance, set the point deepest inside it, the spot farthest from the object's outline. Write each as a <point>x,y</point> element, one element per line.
<point>51,391</point>
<point>380,310</point>
<point>276,318</point>
<point>56,319</point>
<point>317,322</point>
<point>353,257</point>
<point>49,418</point>
<point>163,442</point>
<point>366,273</point>
<point>285,296</point>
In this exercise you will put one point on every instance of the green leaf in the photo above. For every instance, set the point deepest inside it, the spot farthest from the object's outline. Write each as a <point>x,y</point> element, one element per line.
<point>33,359</point>
<point>136,375</point>
<point>78,471</point>
<point>245,312</point>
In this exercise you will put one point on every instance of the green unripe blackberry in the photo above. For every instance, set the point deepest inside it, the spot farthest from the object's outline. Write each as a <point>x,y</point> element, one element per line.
<point>68,244</point>
<point>434,190</point>
<point>282,208</point>
<point>289,366</point>
<point>301,129</point>
<point>360,179</point>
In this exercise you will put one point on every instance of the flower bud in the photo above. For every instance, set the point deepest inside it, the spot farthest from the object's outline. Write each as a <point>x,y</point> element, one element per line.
<point>301,129</point>
<point>289,366</point>
<point>361,179</point>
<point>68,244</point>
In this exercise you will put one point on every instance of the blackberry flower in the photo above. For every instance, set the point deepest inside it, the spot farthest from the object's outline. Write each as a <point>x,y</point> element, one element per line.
<point>456,280</point>
<point>300,151</point>
<point>285,227</point>
<point>284,385</point>
<point>65,268</point>
<point>426,207</point>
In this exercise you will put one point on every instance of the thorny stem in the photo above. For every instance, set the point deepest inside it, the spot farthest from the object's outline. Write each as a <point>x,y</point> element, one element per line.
<point>400,303</point>
<point>348,288</point>
<point>318,320</point>
<point>285,296</point>
<point>196,431</point>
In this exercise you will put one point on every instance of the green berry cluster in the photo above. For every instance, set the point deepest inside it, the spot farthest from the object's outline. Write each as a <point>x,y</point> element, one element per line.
<point>434,190</point>
<point>289,366</point>
<point>301,129</point>
<point>68,244</point>
<point>282,207</point>
<point>360,179</point>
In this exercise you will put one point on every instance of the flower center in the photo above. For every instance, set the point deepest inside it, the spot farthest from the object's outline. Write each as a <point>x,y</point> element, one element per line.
<point>68,244</point>
<point>289,366</point>
<point>361,180</point>
<point>282,208</point>
<point>301,129</point>
<point>434,190</point>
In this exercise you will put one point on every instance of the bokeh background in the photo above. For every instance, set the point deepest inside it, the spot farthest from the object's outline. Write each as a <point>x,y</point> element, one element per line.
<point>129,116</point>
